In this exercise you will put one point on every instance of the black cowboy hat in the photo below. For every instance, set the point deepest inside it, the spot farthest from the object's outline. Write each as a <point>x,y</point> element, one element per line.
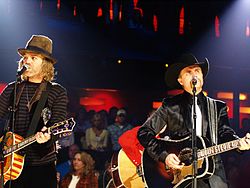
<point>185,60</point>
<point>39,44</point>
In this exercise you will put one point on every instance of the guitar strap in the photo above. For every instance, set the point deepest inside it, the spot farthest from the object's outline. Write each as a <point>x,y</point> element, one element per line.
<point>212,119</point>
<point>219,177</point>
<point>37,114</point>
<point>20,87</point>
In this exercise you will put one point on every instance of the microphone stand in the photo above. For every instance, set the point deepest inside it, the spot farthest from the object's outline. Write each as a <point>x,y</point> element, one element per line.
<point>11,116</point>
<point>194,140</point>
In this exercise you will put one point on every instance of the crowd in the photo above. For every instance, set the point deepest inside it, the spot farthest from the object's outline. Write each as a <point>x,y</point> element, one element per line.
<point>95,135</point>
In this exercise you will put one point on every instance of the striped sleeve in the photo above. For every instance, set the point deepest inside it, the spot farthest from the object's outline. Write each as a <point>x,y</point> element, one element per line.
<point>58,101</point>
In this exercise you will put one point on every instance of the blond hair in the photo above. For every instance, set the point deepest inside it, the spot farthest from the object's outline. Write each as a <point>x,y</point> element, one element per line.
<point>47,71</point>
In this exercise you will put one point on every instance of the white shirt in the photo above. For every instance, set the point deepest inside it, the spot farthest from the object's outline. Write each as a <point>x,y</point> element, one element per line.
<point>198,118</point>
<point>74,181</point>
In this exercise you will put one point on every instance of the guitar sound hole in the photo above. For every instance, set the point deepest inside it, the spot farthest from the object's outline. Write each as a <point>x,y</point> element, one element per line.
<point>185,156</point>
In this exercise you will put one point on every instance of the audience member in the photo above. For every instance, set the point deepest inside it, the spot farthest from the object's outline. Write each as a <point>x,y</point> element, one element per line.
<point>112,115</point>
<point>97,135</point>
<point>82,124</point>
<point>97,140</point>
<point>64,168</point>
<point>118,128</point>
<point>131,145</point>
<point>83,174</point>
<point>104,115</point>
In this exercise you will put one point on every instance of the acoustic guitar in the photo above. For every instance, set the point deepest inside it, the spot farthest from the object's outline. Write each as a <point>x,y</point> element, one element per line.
<point>156,174</point>
<point>124,172</point>
<point>14,162</point>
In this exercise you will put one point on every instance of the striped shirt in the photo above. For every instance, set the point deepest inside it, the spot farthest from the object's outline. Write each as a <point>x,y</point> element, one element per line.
<point>36,154</point>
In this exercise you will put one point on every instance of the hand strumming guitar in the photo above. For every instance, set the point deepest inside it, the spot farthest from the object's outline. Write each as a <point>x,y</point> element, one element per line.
<point>172,161</point>
<point>245,142</point>
<point>42,137</point>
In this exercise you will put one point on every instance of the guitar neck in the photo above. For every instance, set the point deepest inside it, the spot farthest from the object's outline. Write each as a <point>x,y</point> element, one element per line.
<point>24,143</point>
<point>19,146</point>
<point>58,128</point>
<point>217,149</point>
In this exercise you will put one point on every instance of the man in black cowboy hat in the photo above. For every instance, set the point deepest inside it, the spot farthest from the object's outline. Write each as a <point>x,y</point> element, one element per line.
<point>174,120</point>
<point>36,74</point>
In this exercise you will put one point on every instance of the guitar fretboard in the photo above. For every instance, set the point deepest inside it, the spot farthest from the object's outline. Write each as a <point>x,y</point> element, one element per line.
<point>213,150</point>
<point>19,146</point>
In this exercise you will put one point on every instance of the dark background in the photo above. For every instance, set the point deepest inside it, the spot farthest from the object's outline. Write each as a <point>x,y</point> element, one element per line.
<point>87,47</point>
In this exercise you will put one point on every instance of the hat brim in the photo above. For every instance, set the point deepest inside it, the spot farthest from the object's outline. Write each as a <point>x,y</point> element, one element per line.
<point>23,51</point>
<point>173,71</point>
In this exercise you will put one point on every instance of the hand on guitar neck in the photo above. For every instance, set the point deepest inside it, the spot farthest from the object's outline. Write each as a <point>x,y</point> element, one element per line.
<point>43,136</point>
<point>245,142</point>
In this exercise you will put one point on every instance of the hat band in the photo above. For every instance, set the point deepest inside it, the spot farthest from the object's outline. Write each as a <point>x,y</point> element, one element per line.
<point>37,49</point>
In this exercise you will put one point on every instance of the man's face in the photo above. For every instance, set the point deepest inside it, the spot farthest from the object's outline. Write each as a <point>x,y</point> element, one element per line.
<point>72,150</point>
<point>186,75</point>
<point>34,62</point>
<point>121,118</point>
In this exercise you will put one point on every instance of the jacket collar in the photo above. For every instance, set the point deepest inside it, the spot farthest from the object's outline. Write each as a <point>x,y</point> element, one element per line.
<point>202,103</point>
<point>189,98</point>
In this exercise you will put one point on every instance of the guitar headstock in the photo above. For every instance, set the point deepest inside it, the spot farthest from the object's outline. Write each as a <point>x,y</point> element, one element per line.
<point>65,126</point>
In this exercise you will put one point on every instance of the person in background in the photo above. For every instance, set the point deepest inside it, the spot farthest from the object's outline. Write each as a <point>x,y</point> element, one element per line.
<point>97,135</point>
<point>112,115</point>
<point>118,128</point>
<point>64,168</point>
<point>97,138</point>
<point>104,114</point>
<point>131,145</point>
<point>174,119</point>
<point>82,174</point>
<point>82,124</point>
<point>37,65</point>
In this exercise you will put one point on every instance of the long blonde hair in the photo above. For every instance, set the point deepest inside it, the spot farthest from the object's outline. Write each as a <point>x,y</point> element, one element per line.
<point>48,70</point>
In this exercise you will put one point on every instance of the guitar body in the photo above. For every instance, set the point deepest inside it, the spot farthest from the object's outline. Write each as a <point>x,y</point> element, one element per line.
<point>156,174</point>
<point>13,163</point>
<point>124,172</point>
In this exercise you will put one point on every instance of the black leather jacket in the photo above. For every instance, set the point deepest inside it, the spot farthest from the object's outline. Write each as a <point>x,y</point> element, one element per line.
<point>175,116</point>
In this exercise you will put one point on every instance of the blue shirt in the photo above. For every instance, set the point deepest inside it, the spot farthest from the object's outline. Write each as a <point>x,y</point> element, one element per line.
<point>115,132</point>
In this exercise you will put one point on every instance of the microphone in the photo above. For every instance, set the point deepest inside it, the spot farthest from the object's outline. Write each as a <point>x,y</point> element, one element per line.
<point>22,70</point>
<point>194,80</point>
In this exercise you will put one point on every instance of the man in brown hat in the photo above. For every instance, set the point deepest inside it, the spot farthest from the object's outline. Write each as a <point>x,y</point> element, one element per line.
<point>174,120</point>
<point>36,75</point>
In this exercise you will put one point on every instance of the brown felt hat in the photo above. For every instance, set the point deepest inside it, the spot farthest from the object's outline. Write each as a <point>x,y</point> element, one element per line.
<point>39,44</point>
<point>184,61</point>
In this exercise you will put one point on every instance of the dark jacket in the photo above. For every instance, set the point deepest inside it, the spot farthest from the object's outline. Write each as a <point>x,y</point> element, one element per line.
<point>175,115</point>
